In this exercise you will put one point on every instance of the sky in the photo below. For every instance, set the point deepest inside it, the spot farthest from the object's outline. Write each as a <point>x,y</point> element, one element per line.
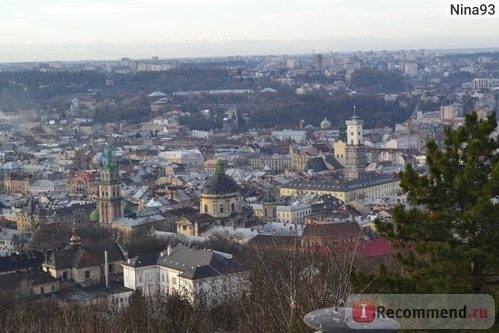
<point>49,30</point>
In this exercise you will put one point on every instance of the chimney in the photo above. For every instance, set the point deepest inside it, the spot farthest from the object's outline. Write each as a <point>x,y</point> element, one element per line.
<point>106,269</point>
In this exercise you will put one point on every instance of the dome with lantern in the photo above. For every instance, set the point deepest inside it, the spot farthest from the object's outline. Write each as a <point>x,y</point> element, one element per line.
<point>221,194</point>
<point>325,124</point>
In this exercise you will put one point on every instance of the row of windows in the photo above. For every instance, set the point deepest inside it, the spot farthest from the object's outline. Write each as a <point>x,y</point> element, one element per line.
<point>221,208</point>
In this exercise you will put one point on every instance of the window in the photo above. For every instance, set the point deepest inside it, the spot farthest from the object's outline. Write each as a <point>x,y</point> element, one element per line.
<point>65,275</point>
<point>233,207</point>
<point>42,290</point>
<point>221,208</point>
<point>140,278</point>
<point>206,208</point>
<point>53,287</point>
<point>87,274</point>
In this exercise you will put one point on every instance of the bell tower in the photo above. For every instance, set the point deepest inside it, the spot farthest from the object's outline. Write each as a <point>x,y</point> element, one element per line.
<point>355,151</point>
<point>110,200</point>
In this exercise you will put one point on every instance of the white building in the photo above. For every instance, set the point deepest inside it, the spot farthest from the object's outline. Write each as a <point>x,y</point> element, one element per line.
<point>48,186</point>
<point>201,134</point>
<point>411,69</point>
<point>404,142</point>
<point>481,83</point>
<point>190,157</point>
<point>12,240</point>
<point>200,275</point>
<point>293,214</point>
<point>287,134</point>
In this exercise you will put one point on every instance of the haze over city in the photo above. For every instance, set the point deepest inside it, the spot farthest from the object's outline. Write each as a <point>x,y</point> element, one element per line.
<point>76,30</point>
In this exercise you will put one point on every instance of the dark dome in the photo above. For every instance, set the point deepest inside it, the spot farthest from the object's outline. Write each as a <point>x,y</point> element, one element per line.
<point>220,184</point>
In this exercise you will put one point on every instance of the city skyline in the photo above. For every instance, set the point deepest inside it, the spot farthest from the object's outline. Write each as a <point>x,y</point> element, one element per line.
<point>81,30</point>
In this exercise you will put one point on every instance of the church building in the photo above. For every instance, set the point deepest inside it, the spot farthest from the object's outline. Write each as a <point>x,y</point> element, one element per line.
<point>110,204</point>
<point>220,204</point>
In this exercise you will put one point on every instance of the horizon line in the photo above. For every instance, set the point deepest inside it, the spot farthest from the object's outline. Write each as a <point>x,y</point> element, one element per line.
<point>457,50</point>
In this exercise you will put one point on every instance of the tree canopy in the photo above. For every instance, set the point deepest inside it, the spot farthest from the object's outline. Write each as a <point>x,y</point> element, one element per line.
<point>449,233</point>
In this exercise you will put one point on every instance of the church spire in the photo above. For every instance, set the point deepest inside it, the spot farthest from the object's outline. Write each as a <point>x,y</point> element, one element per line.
<point>109,164</point>
<point>219,167</point>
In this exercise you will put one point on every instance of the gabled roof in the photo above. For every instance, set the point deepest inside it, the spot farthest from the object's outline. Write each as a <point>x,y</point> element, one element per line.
<point>198,264</point>
<point>21,261</point>
<point>316,164</point>
<point>86,256</point>
<point>333,161</point>
<point>82,258</point>
<point>60,259</point>
<point>143,260</point>
<point>12,280</point>
<point>193,263</point>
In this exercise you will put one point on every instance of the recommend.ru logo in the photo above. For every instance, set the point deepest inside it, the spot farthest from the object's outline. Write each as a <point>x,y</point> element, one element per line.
<point>422,311</point>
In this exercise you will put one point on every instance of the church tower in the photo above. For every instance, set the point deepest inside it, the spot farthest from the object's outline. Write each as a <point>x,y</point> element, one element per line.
<point>110,202</point>
<point>221,195</point>
<point>355,151</point>
<point>269,205</point>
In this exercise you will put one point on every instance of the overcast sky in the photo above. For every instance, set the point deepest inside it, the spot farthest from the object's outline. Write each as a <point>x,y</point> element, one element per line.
<point>38,30</point>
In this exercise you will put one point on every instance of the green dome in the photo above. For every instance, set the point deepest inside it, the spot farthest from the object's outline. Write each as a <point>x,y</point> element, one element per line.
<point>94,216</point>
<point>325,124</point>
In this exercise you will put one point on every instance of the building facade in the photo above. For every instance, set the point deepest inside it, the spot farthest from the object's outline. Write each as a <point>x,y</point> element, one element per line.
<point>16,183</point>
<point>199,275</point>
<point>83,184</point>
<point>190,157</point>
<point>39,216</point>
<point>85,264</point>
<point>45,186</point>
<point>373,187</point>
